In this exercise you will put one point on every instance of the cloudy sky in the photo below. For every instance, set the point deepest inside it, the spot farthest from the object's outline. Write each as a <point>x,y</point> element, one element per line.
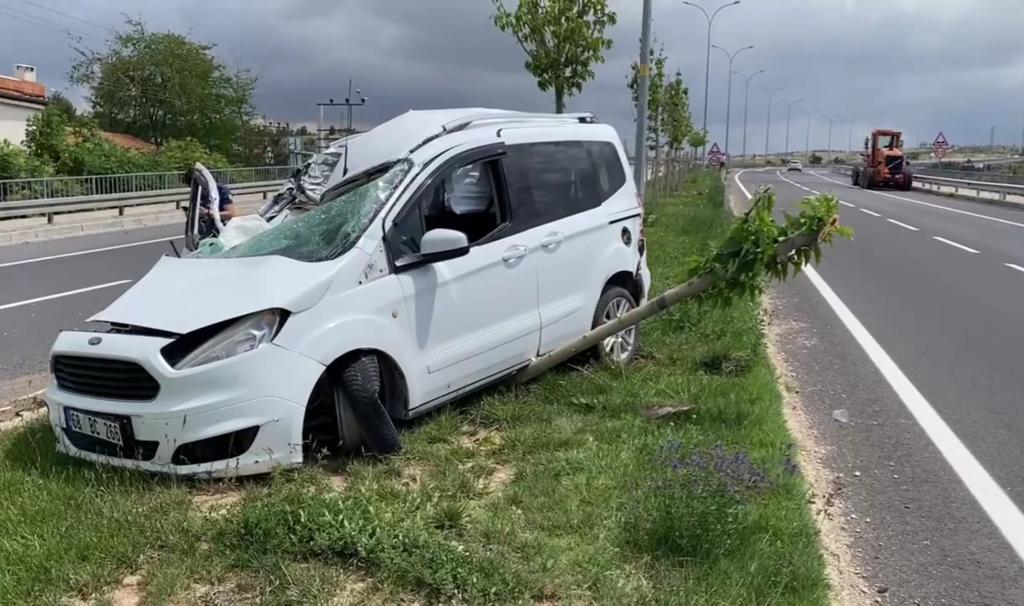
<point>918,65</point>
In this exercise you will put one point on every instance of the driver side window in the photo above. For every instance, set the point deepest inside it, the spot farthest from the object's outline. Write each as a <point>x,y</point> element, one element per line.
<point>466,198</point>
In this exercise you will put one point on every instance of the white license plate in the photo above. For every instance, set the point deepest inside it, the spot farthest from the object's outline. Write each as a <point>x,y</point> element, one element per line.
<point>94,426</point>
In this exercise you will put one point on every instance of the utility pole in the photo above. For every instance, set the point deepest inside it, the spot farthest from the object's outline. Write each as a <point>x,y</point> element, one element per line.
<point>707,58</point>
<point>849,141</point>
<point>807,142</point>
<point>728,98</point>
<point>1022,139</point>
<point>320,130</point>
<point>643,92</point>
<point>768,120</point>
<point>789,111</point>
<point>746,102</point>
<point>349,103</point>
<point>830,119</point>
<point>992,139</point>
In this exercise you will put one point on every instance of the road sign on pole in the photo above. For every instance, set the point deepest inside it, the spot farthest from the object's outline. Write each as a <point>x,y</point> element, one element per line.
<point>715,155</point>
<point>940,146</point>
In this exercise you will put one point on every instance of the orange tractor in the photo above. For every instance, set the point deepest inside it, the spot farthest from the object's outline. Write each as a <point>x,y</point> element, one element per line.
<point>884,162</point>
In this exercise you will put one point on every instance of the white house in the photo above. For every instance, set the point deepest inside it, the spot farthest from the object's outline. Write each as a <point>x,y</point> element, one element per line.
<point>21,97</point>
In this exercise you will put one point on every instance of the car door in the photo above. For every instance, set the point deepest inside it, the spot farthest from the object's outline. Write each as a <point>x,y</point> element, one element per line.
<point>557,184</point>
<point>475,317</point>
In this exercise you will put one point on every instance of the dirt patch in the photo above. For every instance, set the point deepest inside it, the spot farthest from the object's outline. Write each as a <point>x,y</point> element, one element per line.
<point>218,501</point>
<point>496,482</point>
<point>412,474</point>
<point>222,594</point>
<point>128,593</point>
<point>16,413</point>
<point>479,438</point>
<point>826,488</point>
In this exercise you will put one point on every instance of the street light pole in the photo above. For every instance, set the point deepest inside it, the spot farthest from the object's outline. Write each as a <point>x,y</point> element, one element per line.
<point>768,121</point>
<point>746,102</point>
<point>643,92</point>
<point>728,97</point>
<point>707,57</point>
<point>789,111</point>
<point>830,119</point>
<point>807,141</point>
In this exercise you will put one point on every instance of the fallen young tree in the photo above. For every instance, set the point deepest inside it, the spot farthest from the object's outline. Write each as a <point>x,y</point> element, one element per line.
<point>757,250</point>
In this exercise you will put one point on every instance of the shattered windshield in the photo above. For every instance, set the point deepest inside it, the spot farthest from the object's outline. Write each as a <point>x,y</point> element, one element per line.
<point>329,230</point>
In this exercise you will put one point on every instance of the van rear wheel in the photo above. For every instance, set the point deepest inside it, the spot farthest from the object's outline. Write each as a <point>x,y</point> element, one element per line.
<point>621,348</point>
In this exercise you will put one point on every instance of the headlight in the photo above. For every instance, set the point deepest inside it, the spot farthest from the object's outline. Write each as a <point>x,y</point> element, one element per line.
<point>246,334</point>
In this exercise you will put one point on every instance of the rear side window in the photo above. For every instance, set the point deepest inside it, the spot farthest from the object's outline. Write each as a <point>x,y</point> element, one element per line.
<point>549,181</point>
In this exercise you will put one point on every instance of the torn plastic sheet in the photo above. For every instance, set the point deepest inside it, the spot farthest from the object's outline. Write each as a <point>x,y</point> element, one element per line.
<point>325,232</point>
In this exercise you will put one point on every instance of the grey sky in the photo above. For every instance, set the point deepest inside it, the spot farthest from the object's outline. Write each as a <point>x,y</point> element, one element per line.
<point>919,65</point>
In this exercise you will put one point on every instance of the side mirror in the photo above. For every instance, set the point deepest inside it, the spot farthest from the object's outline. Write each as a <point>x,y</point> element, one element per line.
<point>436,245</point>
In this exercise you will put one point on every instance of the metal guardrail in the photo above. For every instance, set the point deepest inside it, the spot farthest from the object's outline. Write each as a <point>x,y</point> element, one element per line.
<point>105,185</point>
<point>51,207</point>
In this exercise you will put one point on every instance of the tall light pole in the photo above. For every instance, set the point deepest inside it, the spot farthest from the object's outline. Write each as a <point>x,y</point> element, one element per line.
<point>728,97</point>
<point>643,91</point>
<point>807,142</point>
<point>707,56</point>
<point>746,101</point>
<point>830,119</point>
<point>789,112</point>
<point>768,120</point>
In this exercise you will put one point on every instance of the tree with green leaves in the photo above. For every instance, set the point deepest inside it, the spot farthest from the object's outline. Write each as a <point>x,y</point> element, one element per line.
<point>57,101</point>
<point>697,139</point>
<point>160,86</point>
<point>678,124</point>
<point>562,39</point>
<point>655,94</point>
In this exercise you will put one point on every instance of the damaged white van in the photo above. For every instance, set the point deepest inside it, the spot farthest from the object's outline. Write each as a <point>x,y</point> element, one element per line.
<point>446,251</point>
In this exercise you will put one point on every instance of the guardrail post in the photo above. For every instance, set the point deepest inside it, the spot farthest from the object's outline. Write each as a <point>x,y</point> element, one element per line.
<point>120,211</point>
<point>49,218</point>
<point>1002,196</point>
<point>977,192</point>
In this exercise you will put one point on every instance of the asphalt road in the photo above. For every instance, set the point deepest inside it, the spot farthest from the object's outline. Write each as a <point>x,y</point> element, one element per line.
<point>53,285</point>
<point>938,284</point>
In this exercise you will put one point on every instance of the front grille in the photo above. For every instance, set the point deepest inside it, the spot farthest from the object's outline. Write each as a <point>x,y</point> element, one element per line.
<point>139,450</point>
<point>105,378</point>
<point>894,164</point>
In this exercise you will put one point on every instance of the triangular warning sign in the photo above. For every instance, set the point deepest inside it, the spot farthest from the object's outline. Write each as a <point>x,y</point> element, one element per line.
<point>940,141</point>
<point>715,150</point>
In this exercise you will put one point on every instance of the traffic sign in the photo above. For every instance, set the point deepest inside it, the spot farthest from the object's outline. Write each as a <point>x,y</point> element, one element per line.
<point>715,155</point>
<point>940,146</point>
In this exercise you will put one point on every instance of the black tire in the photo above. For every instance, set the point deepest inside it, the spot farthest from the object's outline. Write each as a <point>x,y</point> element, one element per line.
<point>855,177</point>
<point>362,419</point>
<point>908,182</point>
<point>624,350</point>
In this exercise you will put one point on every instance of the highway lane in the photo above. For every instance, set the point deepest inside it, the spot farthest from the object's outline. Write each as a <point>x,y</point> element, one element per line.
<point>950,319</point>
<point>82,275</point>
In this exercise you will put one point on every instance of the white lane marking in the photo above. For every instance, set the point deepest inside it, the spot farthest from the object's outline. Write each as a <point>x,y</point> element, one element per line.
<point>923,203</point>
<point>992,498</point>
<point>869,212</point>
<point>62,294</point>
<point>848,204</point>
<point>89,252</point>
<point>1012,266</point>
<point>956,244</point>
<point>903,225</point>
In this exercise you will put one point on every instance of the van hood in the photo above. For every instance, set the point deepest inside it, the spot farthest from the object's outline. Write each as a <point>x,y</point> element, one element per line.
<point>182,295</point>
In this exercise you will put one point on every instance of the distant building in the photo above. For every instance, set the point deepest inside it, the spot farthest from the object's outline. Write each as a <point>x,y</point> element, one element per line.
<point>21,97</point>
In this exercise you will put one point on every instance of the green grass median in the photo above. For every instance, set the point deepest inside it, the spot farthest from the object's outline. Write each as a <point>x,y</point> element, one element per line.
<point>562,491</point>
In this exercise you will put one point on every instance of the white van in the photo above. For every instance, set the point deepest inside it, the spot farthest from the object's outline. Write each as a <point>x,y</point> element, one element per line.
<point>448,250</point>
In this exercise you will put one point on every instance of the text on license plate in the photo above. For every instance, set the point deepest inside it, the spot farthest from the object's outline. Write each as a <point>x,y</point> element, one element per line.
<point>94,426</point>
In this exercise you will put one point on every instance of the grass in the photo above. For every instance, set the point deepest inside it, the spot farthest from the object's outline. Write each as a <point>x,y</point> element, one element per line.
<point>559,492</point>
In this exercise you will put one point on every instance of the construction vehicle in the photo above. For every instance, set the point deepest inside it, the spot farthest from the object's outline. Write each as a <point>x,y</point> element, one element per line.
<point>884,162</point>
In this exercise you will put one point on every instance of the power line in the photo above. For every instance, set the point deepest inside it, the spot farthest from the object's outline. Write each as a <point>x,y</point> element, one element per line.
<point>69,16</point>
<point>41,21</point>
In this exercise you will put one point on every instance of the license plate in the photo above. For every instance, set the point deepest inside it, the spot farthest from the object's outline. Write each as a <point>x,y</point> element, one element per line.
<point>102,429</point>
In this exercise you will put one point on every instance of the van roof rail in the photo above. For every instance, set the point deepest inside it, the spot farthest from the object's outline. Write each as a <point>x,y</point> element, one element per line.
<point>467,121</point>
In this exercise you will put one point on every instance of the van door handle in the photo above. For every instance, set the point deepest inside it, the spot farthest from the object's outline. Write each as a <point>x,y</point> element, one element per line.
<point>514,252</point>
<point>552,240</point>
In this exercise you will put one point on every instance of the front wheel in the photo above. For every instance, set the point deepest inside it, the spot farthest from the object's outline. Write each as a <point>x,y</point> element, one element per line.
<point>855,177</point>
<point>621,348</point>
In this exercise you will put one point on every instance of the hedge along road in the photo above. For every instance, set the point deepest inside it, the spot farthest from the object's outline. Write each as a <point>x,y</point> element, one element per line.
<point>925,358</point>
<point>53,285</point>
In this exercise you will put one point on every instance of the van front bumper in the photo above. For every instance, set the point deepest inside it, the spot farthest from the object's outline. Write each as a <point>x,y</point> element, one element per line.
<point>238,416</point>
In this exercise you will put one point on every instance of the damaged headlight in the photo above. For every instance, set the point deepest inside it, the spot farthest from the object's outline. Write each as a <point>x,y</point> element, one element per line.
<point>223,341</point>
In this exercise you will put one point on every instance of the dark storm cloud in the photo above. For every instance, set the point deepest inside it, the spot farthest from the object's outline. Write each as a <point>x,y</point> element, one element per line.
<point>921,65</point>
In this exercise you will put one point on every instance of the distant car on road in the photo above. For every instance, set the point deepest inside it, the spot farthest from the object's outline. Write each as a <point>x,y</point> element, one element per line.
<point>794,165</point>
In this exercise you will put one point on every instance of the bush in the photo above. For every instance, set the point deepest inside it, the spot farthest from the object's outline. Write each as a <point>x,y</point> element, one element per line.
<point>17,163</point>
<point>178,155</point>
<point>815,159</point>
